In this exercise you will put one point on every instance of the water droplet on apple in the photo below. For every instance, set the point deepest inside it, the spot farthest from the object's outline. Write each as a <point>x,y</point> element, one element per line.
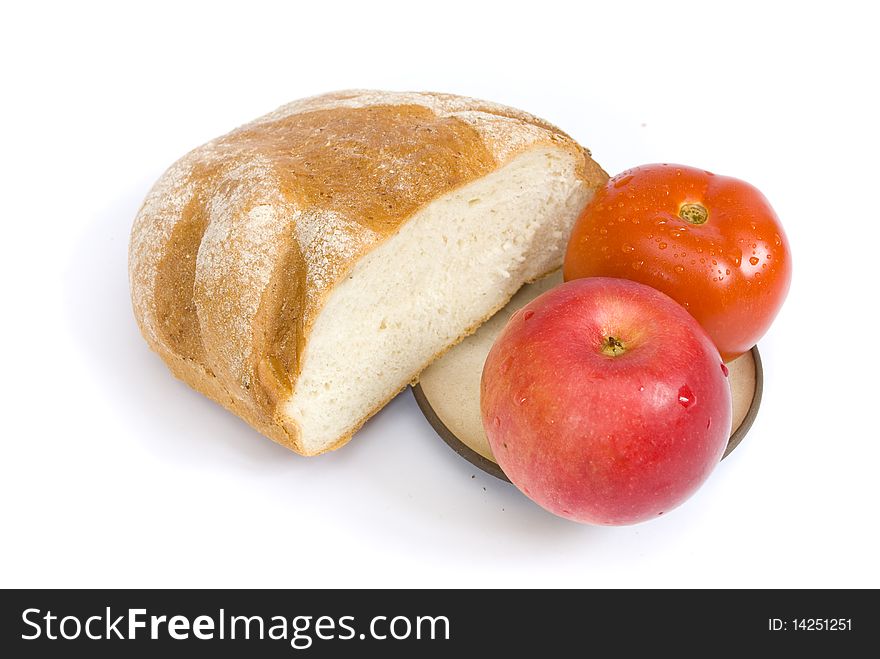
<point>708,423</point>
<point>754,260</point>
<point>662,245</point>
<point>679,269</point>
<point>686,397</point>
<point>627,248</point>
<point>497,422</point>
<point>641,388</point>
<point>637,264</point>
<point>619,183</point>
<point>528,314</point>
<point>520,399</point>
<point>724,369</point>
<point>603,231</point>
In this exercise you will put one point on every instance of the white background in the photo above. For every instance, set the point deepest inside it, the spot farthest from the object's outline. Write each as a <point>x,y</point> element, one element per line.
<point>112,473</point>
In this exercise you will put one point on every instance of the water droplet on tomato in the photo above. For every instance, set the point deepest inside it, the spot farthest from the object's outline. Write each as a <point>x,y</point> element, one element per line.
<point>619,183</point>
<point>724,369</point>
<point>662,245</point>
<point>603,231</point>
<point>754,260</point>
<point>497,422</point>
<point>627,248</point>
<point>727,271</point>
<point>686,397</point>
<point>679,269</point>
<point>708,423</point>
<point>520,399</point>
<point>637,264</point>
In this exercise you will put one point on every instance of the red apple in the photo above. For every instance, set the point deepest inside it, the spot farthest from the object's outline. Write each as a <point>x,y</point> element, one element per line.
<point>605,402</point>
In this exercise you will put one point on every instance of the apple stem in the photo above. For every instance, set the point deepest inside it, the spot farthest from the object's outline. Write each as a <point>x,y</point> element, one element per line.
<point>613,347</point>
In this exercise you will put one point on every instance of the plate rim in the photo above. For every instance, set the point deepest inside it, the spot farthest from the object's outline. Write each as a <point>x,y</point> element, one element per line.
<point>493,468</point>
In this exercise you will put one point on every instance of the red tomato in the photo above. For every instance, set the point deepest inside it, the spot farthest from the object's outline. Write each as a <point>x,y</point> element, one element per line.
<point>713,243</point>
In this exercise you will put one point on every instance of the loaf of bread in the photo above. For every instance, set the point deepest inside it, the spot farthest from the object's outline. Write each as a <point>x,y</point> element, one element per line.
<point>304,268</point>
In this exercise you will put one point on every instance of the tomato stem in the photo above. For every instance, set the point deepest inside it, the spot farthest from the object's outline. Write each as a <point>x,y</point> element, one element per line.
<point>693,213</point>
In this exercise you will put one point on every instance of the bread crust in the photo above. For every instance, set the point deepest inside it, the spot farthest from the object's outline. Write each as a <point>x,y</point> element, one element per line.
<point>239,243</point>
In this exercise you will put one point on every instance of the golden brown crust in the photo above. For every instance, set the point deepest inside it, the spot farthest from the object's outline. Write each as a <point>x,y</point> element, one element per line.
<point>238,245</point>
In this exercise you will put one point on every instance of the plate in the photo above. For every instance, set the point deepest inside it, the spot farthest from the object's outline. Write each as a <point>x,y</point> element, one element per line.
<point>448,391</point>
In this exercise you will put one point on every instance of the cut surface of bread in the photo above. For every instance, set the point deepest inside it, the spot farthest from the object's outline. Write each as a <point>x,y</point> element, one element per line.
<point>305,267</point>
<point>455,263</point>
